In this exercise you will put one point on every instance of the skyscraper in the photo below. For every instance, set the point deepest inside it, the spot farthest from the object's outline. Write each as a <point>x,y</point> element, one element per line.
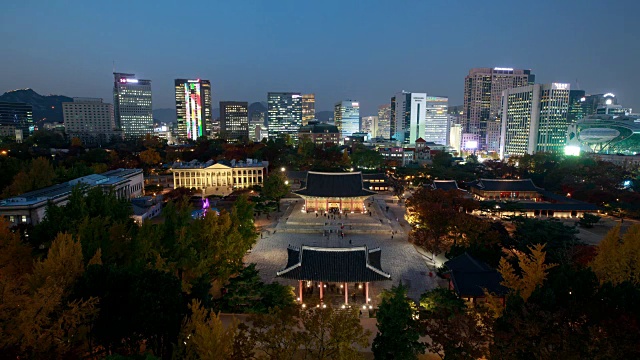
<point>16,120</point>
<point>408,115</point>
<point>576,105</point>
<point>284,114</point>
<point>90,120</point>
<point>346,116</point>
<point>308,108</point>
<point>132,105</point>
<point>483,89</point>
<point>193,108</point>
<point>384,124</point>
<point>534,119</point>
<point>370,125</point>
<point>437,120</point>
<point>234,120</point>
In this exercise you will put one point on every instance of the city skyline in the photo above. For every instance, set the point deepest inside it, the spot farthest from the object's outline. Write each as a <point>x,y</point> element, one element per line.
<point>84,68</point>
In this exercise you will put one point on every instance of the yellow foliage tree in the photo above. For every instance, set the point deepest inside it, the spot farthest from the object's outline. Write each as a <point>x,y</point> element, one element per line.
<point>618,259</point>
<point>533,268</point>
<point>203,335</point>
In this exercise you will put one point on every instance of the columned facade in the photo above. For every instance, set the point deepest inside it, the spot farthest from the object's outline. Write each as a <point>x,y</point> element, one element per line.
<point>342,204</point>
<point>219,178</point>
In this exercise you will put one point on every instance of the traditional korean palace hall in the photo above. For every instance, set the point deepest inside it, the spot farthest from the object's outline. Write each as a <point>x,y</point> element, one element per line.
<point>334,275</point>
<point>341,192</point>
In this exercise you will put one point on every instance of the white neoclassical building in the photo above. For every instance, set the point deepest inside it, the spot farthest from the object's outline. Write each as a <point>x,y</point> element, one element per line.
<point>218,178</point>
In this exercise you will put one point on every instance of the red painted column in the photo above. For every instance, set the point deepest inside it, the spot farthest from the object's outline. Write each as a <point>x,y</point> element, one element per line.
<point>366,293</point>
<point>321,288</point>
<point>346,293</point>
<point>300,290</point>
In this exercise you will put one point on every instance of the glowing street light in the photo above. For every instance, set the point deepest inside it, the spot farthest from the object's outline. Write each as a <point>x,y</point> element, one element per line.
<point>282,169</point>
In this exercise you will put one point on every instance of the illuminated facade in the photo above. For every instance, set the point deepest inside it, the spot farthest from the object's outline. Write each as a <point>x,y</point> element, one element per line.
<point>90,120</point>
<point>370,125</point>
<point>408,116</point>
<point>217,178</point>
<point>132,105</point>
<point>346,116</point>
<point>193,108</point>
<point>308,108</point>
<point>534,119</point>
<point>284,114</point>
<point>384,123</point>
<point>320,134</point>
<point>483,89</point>
<point>576,106</point>
<point>234,120</point>
<point>436,127</point>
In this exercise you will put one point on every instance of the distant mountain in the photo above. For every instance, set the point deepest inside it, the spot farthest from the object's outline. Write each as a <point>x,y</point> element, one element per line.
<point>164,115</point>
<point>45,108</point>
<point>324,116</point>
<point>257,107</point>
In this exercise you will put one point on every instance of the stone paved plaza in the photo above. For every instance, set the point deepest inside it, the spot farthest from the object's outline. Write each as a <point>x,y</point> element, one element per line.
<point>399,258</point>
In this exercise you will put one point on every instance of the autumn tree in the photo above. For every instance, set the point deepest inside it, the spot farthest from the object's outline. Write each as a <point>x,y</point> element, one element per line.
<point>276,186</point>
<point>456,332</point>
<point>533,271</point>
<point>334,333</point>
<point>278,335</point>
<point>150,157</point>
<point>204,337</point>
<point>618,259</point>
<point>398,330</point>
<point>38,174</point>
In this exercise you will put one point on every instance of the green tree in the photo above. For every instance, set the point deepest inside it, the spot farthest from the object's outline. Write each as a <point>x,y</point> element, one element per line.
<point>588,220</point>
<point>334,334</point>
<point>38,174</point>
<point>275,186</point>
<point>363,158</point>
<point>278,335</point>
<point>559,239</point>
<point>398,330</point>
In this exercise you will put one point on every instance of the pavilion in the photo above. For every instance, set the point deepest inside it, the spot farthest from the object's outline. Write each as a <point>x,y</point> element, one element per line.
<point>334,191</point>
<point>342,266</point>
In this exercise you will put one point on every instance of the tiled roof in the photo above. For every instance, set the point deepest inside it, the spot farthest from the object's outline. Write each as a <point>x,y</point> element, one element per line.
<point>470,276</point>
<point>506,185</point>
<point>323,184</point>
<point>445,185</point>
<point>355,264</point>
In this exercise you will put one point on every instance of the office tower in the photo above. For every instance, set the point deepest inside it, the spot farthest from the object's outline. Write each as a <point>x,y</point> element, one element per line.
<point>593,102</point>
<point>436,128</point>
<point>132,105</point>
<point>90,120</point>
<point>455,136</point>
<point>534,119</point>
<point>483,89</point>
<point>408,115</point>
<point>494,130</point>
<point>370,125</point>
<point>308,108</point>
<point>576,106</point>
<point>346,116</point>
<point>193,108</point>
<point>284,114</point>
<point>384,121</point>
<point>16,120</point>
<point>234,120</point>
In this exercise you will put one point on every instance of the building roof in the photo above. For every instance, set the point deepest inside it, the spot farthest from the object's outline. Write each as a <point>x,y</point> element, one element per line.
<point>355,264</point>
<point>322,184</point>
<point>376,176</point>
<point>470,276</point>
<point>445,185</point>
<point>318,128</point>
<point>505,185</point>
<point>421,140</point>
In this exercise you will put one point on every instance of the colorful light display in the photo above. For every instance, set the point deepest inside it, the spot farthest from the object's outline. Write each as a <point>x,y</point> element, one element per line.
<point>194,120</point>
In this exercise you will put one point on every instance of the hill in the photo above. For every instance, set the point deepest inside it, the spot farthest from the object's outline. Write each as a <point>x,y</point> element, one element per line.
<point>45,108</point>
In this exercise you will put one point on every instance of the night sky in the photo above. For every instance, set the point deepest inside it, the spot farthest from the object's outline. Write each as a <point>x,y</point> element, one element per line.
<point>361,50</point>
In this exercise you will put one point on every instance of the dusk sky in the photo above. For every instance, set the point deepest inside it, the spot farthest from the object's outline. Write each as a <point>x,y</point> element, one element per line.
<point>360,50</point>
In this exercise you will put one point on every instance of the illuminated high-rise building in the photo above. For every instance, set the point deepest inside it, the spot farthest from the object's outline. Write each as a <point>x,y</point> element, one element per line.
<point>284,114</point>
<point>534,119</point>
<point>408,115</point>
<point>384,124</point>
<point>16,120</point>
<point>370,125</point>
<point>346,116</point>
<point>132,105</point>
<point>436,127</point>
<point>308,108</point>
<point>90,120</point>
<point>483,89</point>
<point>193,108</point>
<point>577,100</point>
<point>234,120</point>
